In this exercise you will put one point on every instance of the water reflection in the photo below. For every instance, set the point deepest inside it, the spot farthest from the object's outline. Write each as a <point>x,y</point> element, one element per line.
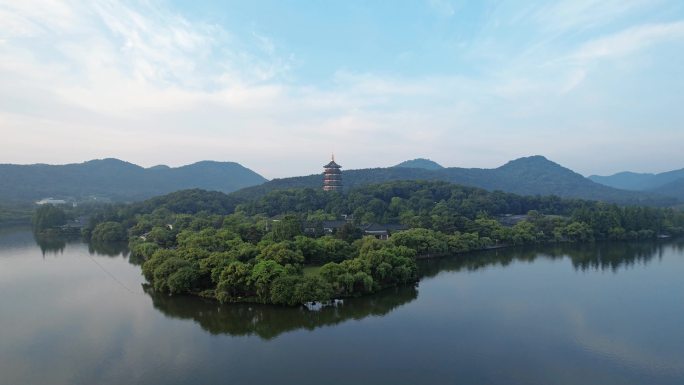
<point>600,256</point>
<point>556,315</point>
<point>111,249</point>
<point>50,243</point>
<point>54,243</point>
<point>268,322</point>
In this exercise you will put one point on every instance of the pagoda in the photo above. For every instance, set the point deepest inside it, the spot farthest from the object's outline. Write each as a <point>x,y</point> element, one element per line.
<point>332,176</point>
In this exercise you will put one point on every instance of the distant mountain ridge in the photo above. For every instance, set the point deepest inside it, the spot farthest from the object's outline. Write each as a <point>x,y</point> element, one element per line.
<point>123,181</point>
<point>423,163</point>
<point>534,175</point>
<point>670,183</point>
<point>639,181</point>
<point>119,180</point>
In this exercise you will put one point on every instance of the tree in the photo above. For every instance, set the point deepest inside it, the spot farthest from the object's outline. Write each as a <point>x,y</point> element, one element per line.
<point>178,268</point>
<point>312,288</point>
<point>283,290</point>
<point>348,232</point>
<point>282,253</point>
<point>423,241</point>
<point>144,249</point>
<point>48,216</point>
<point>109,232</point>
<point>234,282</point>
<point>286,229</point>
<point>263,275</point>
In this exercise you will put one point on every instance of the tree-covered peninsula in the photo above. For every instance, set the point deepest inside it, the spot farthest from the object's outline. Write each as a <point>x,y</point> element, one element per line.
<point>283,248</point>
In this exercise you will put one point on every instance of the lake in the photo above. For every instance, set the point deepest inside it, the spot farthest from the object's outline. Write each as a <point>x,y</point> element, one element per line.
<point>569,314</point>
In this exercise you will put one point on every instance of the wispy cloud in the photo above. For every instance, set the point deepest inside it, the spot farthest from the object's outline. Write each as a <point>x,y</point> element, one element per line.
<point>578,15</point>
<point>90,79</point>
<point>629,41</point>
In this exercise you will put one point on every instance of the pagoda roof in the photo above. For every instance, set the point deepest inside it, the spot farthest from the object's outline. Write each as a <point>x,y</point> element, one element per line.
<point>332,164</point>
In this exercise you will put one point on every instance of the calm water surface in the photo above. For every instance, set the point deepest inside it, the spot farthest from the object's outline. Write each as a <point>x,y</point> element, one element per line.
<point>602,314</point>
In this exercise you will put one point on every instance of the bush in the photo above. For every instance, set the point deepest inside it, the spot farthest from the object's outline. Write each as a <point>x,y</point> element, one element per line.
<point>109,232</point>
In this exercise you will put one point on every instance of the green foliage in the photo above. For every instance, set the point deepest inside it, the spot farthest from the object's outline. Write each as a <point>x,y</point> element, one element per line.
<point>283,253</point>
<point>16,214</point>
<point>167,268</point>
<point>259,254</point>
<point>109,232</point>
<point>349,232</point>
<point>286,229</point>
<point>235,282</point>
<point>312,288</point>
<point>292,290</point>
<point>118,180</point>
<point>333,250</point>
<point>533,176</point>
<point>391,266</point>
<point>48,217</point>
<point>183,280</point>
<point>263,275</point>
<point>157,258</point>
<point>423,241</point>
<point>144,250</point>
<point>283,290</point>
<point>209,239</point>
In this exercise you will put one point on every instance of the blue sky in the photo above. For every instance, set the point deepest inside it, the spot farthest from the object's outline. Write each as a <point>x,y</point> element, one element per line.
<point>278,85</point>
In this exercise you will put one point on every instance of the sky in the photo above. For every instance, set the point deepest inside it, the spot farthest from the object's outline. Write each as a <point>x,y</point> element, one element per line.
<point>595,85</point>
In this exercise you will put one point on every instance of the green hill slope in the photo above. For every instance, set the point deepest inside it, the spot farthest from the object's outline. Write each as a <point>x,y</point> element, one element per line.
<point>118,180</point>
<point>533,175</point>
<point>423,163</point>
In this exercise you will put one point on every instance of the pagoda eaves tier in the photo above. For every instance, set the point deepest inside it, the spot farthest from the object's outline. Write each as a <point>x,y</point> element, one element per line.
<point>332,177</point>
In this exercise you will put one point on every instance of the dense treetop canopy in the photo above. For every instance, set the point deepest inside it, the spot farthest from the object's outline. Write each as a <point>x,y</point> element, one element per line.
<point>257,250</point>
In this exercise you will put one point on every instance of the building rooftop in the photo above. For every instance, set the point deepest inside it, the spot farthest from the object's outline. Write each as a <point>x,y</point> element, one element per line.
<point>332,164</point>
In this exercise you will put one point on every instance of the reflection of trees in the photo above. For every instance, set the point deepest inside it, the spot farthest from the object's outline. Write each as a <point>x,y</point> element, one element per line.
<point>52,242</point>
<point>599,256</point>
<point>614,256</point>
<point>268,321</point>
<point>55,242</point>
<point>135,259</point>
<point>109,249</point>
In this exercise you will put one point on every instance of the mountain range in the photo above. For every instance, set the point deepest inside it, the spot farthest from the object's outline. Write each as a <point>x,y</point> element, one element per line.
<point>114,179</point>
<point>534,175</point>
<point>669,183</point>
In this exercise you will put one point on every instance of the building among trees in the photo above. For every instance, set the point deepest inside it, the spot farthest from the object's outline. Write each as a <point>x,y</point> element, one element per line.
<point>332,176</point>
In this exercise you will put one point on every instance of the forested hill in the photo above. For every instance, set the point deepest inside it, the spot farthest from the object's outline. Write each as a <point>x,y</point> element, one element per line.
<point>426,164</point>
<point>674,189</point>
<point>118,180</point>
<point>533,175</point>
<point>256,250</point>
<point>670,183</point>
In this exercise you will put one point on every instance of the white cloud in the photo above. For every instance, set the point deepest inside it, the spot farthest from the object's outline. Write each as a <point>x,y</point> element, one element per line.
<point>150,86</point>
<point>574,79</point>
<point>586,14</point>
<point>629,41</point>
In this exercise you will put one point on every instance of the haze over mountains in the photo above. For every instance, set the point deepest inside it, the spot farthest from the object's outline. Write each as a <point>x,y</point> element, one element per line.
<point>669,183</point>
<point>122,181</point>
<point>118,180</point>
<point>534,175</point>
<point>423,163</point>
